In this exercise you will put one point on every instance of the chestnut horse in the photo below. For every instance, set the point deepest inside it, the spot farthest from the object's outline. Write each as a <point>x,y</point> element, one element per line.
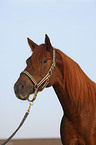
<point>76,92</point>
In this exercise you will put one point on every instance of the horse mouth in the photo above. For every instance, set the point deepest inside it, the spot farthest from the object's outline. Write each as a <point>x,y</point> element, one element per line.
<point>21,97</point>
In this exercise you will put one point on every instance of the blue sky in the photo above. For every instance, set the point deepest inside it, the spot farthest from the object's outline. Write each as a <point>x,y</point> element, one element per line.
<point>71,26</point>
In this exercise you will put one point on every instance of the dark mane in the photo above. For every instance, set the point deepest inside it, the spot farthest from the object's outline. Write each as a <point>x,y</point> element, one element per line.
<point>80,88</point>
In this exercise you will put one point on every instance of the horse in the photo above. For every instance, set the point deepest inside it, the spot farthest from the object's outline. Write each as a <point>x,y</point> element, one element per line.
<point>76,92</point>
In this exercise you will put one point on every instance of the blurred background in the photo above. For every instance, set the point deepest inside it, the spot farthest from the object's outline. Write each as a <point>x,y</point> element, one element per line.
<point>71,26</point>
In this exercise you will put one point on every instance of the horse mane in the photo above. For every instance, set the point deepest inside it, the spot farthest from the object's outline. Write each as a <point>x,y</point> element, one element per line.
<point>80,88</point>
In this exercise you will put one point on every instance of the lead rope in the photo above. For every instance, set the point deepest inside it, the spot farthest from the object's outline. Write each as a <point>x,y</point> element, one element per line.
<point>23,120</point>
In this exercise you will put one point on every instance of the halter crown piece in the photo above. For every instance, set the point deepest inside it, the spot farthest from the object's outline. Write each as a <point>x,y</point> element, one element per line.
<point>44,81</point>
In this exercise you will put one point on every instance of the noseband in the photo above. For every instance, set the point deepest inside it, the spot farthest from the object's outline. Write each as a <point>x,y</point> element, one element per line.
<point>44,81</point>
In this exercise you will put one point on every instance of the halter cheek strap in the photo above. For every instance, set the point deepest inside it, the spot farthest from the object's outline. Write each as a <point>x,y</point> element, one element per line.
<point>44,81</point>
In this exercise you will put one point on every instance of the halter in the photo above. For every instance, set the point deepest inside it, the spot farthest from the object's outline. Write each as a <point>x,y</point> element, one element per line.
<point>44,81</point>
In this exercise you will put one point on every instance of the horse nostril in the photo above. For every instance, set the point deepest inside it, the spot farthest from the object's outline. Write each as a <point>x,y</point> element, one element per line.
<point>21,88</point>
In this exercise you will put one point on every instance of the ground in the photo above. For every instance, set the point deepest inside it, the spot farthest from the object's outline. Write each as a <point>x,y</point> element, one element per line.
<point>34,142</point>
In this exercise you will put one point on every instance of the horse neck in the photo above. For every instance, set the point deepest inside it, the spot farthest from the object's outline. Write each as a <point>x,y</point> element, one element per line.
<point>72,84</point>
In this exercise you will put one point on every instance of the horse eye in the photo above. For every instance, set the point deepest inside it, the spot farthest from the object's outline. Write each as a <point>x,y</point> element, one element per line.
<point>45,61</point>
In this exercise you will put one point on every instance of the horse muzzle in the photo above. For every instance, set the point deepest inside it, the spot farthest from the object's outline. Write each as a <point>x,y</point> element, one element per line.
<point>23,88</point>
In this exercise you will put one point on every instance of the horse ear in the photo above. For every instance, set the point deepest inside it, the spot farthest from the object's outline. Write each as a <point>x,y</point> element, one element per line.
<point>32,44</point>
<point>47,42</point>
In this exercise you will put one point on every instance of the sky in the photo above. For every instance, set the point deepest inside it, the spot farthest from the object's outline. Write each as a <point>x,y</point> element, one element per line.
<point>71,26</point>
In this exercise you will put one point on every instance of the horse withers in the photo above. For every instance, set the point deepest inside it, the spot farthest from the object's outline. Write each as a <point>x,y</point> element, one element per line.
<point>47,67</point>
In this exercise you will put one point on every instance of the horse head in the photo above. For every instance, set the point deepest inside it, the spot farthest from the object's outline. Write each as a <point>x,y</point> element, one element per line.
<point>39,72</point>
